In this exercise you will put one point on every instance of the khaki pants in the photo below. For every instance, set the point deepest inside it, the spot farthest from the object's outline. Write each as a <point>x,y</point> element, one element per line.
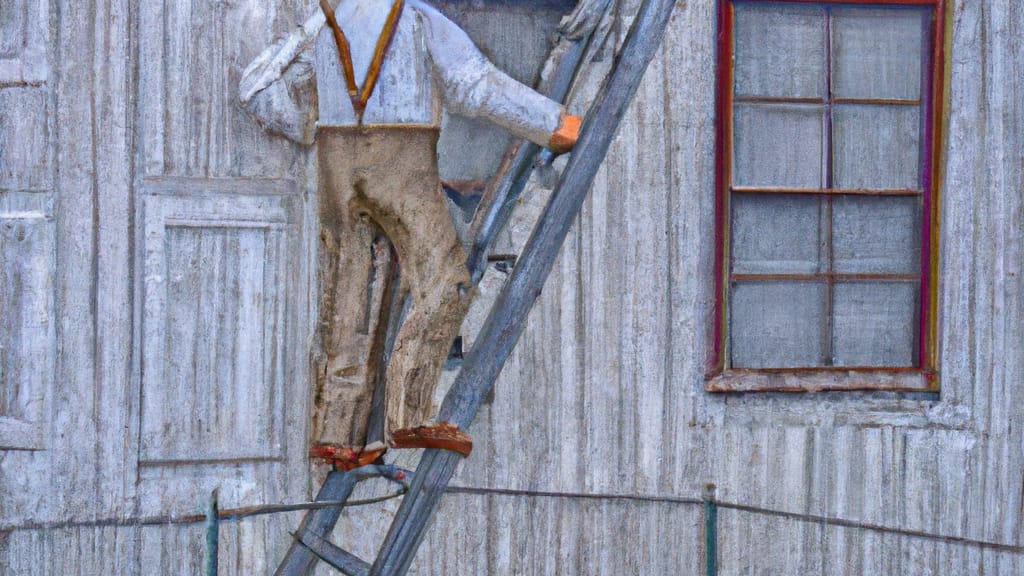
<point>382,180</point>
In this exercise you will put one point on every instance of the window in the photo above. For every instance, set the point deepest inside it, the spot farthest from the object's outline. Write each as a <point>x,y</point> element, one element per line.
<point>827,195</point>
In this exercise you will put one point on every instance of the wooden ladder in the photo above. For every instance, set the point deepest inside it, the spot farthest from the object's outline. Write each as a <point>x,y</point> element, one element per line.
<point>507,318</point>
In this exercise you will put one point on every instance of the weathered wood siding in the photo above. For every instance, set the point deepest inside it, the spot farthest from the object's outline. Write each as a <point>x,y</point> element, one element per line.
<point>605,392</point>
<point>222,289</point>
<point>155,301</point>
<point>156,305</point>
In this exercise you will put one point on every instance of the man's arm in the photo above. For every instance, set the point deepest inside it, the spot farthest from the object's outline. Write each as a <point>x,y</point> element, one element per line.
<point>473,86</point>
<point>278,87</point>
<point>271,64</point>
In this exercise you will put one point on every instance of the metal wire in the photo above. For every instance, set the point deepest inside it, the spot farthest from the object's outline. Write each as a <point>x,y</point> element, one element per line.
<point>391,473</point>
<point>824,520</point>
<point>236,514</point>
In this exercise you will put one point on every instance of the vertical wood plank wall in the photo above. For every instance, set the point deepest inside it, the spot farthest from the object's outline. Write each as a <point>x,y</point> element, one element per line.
<point>144,219</point>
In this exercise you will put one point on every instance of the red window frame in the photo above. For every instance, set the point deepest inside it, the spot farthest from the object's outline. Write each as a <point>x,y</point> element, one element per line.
<point>721,377</point>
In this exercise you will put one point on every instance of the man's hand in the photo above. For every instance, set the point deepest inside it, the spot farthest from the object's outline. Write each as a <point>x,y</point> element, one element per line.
<point>564,138</point>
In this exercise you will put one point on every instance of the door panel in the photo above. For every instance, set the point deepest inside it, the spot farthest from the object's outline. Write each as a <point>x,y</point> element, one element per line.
<point>23,34</point>
<point>192,59</point>
<point>219,277</point>
<point>27,322</point>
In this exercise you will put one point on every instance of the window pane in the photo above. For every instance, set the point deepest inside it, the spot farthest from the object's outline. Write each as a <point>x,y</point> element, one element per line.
<point>877,146</point>
<point>876,53</point>
<point>780,51</point>
<point>875,324</point>
<point>776,234</point>
<point>777,324</point>
<point>778,145</point>
<point>876,235</point>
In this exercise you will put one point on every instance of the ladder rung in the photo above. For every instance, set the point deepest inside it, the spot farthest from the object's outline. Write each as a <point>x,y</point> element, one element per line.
<point>343,560</point>
<point>299,561</point>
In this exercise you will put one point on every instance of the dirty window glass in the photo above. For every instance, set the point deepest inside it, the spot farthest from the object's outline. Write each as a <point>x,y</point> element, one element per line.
<point>826,185</point>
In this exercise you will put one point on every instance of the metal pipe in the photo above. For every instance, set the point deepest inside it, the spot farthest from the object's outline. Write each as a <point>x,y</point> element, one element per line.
<point>212,535</point>
<point>710,530</point>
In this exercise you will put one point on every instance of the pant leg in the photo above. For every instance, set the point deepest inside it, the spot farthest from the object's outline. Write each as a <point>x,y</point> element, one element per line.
<point>348,271</point>
<point>405,199</point>
<point>434,275</point>
<point>387,176</point>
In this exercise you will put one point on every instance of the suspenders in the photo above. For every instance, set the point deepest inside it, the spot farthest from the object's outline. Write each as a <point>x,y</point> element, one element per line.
<point>360,97</point>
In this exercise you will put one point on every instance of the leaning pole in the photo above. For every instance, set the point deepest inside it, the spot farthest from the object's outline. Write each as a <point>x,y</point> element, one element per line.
<point>505,323</point>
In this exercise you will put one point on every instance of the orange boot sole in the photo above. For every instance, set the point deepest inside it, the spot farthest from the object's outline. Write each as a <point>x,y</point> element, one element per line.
<point>345,459</point>
<point>443,436</point>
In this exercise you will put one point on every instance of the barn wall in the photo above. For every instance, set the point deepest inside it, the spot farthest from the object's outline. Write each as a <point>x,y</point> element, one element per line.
<point>142,187</point>
<point>604,394</point>
<point>177,300</point>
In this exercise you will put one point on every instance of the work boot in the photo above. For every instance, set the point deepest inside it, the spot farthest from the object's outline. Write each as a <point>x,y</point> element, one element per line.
<point>346,459</point>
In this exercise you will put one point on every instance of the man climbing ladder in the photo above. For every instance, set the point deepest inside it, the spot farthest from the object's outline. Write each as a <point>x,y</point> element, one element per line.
<point>507,318</point>
<point>378,175</point>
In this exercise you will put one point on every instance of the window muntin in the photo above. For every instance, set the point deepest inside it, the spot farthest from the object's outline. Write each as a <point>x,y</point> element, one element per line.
<point>825,201</point>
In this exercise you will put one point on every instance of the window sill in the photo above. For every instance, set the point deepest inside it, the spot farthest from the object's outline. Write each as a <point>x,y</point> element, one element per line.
<point>821,380</point>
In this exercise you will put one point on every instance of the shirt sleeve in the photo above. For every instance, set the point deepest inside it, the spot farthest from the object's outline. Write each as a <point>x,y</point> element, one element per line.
<point>472,86</point>
<point>288,105</point>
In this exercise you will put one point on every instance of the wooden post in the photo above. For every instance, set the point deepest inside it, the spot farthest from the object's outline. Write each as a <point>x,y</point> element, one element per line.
<point>507,319</point>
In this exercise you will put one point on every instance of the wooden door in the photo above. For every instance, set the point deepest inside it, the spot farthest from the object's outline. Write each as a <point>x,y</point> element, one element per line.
<point>222,275</point>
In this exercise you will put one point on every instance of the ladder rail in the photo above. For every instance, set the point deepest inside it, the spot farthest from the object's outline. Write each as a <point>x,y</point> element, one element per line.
<point>507,319</point>
<point>335,492</point>
<point>336,488</point>
<point>579,29</point>
<point>493,217</point>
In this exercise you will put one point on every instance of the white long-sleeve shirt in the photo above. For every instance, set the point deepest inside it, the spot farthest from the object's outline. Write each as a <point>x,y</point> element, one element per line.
<point>431,64</point>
